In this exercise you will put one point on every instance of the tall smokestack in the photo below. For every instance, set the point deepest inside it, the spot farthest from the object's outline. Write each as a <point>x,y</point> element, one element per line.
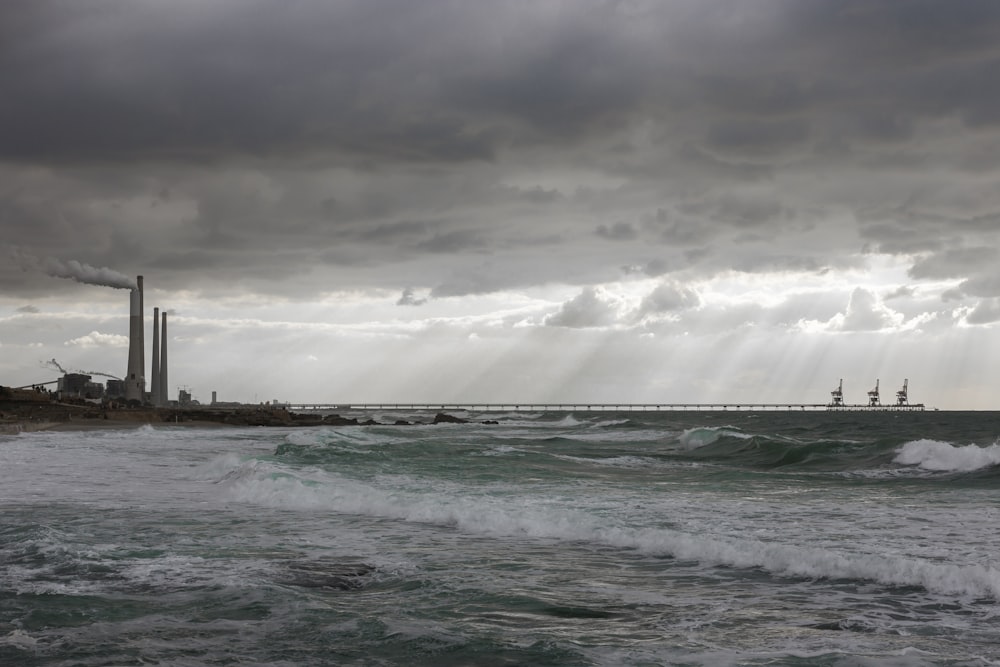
<point>135,383</point>
<point>164,393</point>
<point>154,385</point>
<point>142,334</point>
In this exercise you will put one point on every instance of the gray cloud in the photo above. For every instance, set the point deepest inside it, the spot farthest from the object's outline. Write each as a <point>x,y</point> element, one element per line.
<point>453,241</point>
<point>380,143</point>
<point>409,298</point>
<point>954,263</point>
<point>620,231</point>
<point>902,292</point>
<point>110,81</point>
<point>590,308</point>
<point>986,311</point>
<point>986,285</point>
<point>668,297</point>
<point>757,137</point>
<point>866,313</point>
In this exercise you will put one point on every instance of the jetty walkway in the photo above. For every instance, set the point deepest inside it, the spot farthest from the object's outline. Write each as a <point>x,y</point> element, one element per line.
<point>600,407</point>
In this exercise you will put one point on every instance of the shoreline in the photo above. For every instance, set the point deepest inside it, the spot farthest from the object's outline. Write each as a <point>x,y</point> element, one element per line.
<point>15,428</point>
<point>135,419</point>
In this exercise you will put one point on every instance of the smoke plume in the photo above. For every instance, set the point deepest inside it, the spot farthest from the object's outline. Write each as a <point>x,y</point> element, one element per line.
<point>52,363</point>
<point>72,269</point>
<point>105,375</point>
<point>86,274</point>
<point>55,364</point>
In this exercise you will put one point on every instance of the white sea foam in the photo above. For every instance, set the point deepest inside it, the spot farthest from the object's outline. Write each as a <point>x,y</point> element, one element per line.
<point>20,639</point>
<point>221,465</point>
<point>625,436</point>
<point>502,450</point>
<point>612,422</point>
<point>612,461</point>
<point>350,436</point>
<point>945,457</point>
<point>539,518</point>
<point>693,438</point>
<point>568,420</point>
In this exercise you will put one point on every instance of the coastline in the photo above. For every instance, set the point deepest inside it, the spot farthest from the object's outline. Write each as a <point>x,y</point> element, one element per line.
<point>35,416</point>
<point>125,424</point>
<point>15,428</point>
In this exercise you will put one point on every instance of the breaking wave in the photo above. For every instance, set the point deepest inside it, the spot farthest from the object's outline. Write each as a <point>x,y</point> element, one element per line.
<point>944,457</point>
<point>266,485</point>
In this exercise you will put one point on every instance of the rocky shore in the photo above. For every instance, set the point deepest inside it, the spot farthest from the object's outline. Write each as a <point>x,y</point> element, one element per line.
<point>33,413</point>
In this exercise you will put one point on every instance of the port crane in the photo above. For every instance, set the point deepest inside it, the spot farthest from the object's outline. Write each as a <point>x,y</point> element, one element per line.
<point>837,395</point>
<point>901,395</point>
<point>873,399</point>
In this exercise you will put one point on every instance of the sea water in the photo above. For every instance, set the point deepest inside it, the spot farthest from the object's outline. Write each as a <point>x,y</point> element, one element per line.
<point>643,538</point>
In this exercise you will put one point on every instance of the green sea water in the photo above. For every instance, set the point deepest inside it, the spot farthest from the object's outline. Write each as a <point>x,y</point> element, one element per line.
<point>711,538</point>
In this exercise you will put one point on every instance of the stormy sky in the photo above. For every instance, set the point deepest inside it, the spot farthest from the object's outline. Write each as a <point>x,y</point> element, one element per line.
<point>664,201</point>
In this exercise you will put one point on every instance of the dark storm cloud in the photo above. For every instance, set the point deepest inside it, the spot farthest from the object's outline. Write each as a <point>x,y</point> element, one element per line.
<point>125,80</point>
<point>453,242</point>
<point>620,231</point>
<point>369,136</point>
<point>388,80</point>
<point>954,263</point>
<point>468,282</point>
<point>454,81</point>
<point>739,210</point>
<point>757,136</point>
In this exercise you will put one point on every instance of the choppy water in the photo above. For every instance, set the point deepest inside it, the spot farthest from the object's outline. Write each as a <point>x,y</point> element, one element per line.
<point>546,539</point>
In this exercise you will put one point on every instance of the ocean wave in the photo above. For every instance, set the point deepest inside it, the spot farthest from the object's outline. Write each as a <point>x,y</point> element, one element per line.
<point>602,435</point>
<point>348,435</point>
<point>939,456</point>
<point>614,422</point>
<point>625,461</point>
<point>694,438</point>
<point>503,450</point>
<point>537,518</point>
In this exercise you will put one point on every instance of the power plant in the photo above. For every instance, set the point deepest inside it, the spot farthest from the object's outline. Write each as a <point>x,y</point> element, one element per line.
<point>135,375</point>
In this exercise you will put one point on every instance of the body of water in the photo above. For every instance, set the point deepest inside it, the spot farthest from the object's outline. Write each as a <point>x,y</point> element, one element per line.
<point>775,538</point>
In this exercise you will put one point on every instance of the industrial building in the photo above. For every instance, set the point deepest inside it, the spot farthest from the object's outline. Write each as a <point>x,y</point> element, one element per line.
<point>79,385</point>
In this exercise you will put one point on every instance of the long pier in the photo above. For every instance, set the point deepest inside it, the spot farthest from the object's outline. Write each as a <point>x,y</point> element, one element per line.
<point>601,407</point>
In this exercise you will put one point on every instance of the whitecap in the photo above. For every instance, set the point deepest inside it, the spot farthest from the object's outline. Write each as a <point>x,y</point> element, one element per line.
<point>945,457</point>
<point>693,438</point>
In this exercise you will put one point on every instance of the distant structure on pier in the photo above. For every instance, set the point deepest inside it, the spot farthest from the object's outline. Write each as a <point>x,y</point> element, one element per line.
<point>874,399</point>
<point>901,395</point>
<point>837,395</point>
